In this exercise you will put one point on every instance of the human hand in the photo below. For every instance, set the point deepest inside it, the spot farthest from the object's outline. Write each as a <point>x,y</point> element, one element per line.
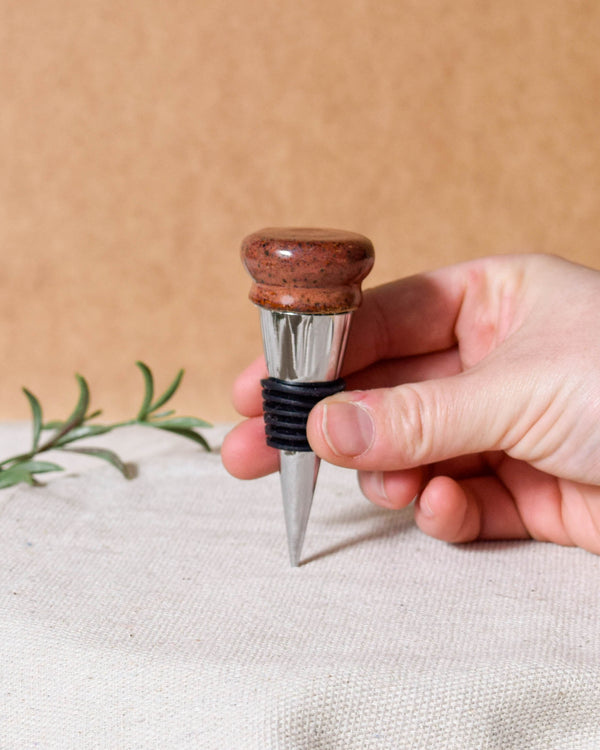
<point>479,394</point>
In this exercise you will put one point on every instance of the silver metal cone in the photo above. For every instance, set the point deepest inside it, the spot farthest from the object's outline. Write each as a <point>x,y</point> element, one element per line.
<point>298,474</point>
<point>301,348</point>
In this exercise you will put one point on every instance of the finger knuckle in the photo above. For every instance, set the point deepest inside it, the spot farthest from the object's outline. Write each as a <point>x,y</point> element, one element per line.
<point>411,425</point>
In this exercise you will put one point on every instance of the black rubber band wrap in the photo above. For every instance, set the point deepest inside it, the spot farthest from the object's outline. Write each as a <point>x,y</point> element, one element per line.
<point>286,408</point>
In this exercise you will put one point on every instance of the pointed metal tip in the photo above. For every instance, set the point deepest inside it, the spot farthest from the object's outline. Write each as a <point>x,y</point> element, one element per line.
<point>298,476</point>
<point>296,510</point>
<point>295,538</point>
<point>295,544</point>
<point>295,557</point>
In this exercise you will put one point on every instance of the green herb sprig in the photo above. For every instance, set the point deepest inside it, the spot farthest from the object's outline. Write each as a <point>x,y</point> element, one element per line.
<point>25,466</point>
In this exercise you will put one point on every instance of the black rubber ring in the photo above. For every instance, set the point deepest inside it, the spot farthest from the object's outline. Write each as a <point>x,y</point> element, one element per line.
<point>286,408</point>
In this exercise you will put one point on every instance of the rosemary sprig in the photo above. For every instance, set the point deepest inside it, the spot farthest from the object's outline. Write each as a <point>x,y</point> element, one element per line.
<point>25,466</point>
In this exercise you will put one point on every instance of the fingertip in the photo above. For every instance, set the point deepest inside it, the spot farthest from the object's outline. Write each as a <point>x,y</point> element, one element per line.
<point>247,394</point>
<point>391,489</point>
<point>446,512</point>
<point>372,485</point>
<point>244,452</point>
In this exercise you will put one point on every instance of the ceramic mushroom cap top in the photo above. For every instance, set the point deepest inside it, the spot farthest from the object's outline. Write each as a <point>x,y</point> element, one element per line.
<point>298,269</point>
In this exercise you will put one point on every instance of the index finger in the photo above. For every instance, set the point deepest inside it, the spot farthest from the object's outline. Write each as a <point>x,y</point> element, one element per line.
<point>410,316</point>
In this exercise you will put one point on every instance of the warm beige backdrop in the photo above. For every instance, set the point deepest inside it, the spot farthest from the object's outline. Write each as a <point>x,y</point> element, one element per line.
<point>141,140</point>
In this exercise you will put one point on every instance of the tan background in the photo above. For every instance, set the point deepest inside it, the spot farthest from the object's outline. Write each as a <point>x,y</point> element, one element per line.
<point>141,140</point>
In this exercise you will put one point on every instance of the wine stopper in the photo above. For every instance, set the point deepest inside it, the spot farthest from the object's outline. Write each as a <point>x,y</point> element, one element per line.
<point>306,285</point>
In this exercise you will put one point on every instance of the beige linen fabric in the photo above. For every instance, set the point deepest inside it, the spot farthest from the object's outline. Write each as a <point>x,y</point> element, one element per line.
<point>162,613</point>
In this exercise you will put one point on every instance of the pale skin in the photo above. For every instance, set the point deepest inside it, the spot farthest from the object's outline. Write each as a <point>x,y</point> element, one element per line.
<point>474,391</point>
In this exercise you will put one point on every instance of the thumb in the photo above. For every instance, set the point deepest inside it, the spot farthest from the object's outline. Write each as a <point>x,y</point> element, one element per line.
<point>416,424</point>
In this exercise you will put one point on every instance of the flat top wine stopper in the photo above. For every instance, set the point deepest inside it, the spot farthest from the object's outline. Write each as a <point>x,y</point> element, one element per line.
<point>306,284</point>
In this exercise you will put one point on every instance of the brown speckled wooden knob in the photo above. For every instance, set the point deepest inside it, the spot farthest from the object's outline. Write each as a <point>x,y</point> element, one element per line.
<point>298,269</point>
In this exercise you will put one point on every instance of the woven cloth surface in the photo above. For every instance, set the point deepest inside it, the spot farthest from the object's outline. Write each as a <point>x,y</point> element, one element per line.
<point>162,613</point>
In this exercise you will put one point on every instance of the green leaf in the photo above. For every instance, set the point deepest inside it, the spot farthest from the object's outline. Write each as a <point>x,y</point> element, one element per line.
<point>168,393</point>
<point>37,467</point>
<point>93,415</point>
<point>55,424</point>
<point>185,422</point>
<point>24,472</point>
<point>83,431</point>
<point>15,475</point>
<point>36,411</point>
<point>148,390</point>
<point>189,434</point>
<point>105,455</point>
<point>78,414</point>
<point>163,414</point>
